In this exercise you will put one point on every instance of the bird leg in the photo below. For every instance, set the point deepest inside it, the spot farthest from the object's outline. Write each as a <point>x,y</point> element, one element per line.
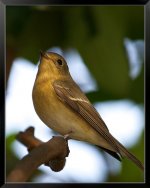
<point>66,136</point>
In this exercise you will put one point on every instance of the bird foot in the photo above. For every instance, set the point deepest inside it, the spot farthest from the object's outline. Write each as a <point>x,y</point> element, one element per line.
<point>66,136</point>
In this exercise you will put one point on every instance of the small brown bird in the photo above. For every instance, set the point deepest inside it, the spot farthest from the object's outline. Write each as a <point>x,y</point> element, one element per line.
<point>62,106</point>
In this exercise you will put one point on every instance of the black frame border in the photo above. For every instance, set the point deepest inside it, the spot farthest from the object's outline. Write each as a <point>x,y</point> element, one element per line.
<point>3,4</point>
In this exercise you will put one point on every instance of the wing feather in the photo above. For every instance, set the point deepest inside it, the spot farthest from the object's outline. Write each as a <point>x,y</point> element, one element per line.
<point>75,98</point>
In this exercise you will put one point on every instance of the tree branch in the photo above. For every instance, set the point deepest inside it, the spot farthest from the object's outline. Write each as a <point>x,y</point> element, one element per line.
<point>51,153</point>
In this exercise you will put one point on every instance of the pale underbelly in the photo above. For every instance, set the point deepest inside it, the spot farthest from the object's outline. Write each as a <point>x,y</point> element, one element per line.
<point>62,119</point>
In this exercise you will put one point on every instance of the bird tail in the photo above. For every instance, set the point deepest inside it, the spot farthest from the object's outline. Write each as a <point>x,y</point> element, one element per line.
<point>125,153</point>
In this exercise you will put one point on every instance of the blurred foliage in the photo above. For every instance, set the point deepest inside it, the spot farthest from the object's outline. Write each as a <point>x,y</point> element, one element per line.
<point>98,33</point>
<point>11,158</point>
<point>129,172</point>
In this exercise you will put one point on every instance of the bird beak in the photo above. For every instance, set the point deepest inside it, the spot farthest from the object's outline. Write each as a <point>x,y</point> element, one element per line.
<point>43,54</point>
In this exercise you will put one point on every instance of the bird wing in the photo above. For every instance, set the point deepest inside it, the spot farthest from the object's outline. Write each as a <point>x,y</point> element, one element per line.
<point>70,94</point>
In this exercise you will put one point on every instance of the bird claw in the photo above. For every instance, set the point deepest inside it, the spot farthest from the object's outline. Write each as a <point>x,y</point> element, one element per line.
<point>66,136</point>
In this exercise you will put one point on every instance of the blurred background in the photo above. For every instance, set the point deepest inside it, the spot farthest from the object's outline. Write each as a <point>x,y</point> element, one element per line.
<point>104,48</point>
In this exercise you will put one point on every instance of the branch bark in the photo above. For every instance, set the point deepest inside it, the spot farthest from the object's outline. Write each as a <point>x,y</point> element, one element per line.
<point>51,153</point>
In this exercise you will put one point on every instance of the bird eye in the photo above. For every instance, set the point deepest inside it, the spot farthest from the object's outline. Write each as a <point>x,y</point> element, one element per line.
<point>59,61</point>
